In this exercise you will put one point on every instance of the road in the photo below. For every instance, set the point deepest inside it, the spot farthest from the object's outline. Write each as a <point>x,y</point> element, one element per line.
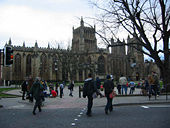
<point>157,116</point>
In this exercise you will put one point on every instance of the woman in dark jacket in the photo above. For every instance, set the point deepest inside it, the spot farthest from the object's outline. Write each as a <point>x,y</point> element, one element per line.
<point>37,90</point>
<point>108,87</point>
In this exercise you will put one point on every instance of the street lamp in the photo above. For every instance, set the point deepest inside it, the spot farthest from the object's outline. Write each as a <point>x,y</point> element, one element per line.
<point>56,67</point>
<point>40,69</point>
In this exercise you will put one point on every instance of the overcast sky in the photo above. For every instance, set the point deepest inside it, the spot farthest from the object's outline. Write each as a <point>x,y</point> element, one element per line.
<point>42,20</point>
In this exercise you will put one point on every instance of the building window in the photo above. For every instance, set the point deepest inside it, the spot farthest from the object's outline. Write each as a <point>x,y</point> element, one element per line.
<point>17,65</point>
<point>101,65</point>
<point>28,65</point>
<point>43,66</point>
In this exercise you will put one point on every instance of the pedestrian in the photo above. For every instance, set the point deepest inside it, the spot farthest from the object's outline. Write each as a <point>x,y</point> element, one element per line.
<point>108,89</point>
<point>98,85</point>
<point>71,87</point>
<point>53,93</point>
<point>56,88</point>
<point>146,84</point>
<point>119,88</point>
<point>24,89</point>
<point>156,83</point>
<point>132,87</point>
<point>30,83</point>
<point>37,90</point>
<point>123,82</point>
<point>89,89</point>
<point>61,90</point>
<point>151,83</point>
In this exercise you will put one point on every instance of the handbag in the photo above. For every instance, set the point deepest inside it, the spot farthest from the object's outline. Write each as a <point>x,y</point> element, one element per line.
<point>112,94</point>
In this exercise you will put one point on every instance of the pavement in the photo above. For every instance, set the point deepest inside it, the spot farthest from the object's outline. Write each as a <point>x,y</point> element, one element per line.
<point>76,102</point>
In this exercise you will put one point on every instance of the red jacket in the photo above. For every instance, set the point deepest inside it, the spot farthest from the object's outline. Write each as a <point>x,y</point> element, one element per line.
<point>54,93</point>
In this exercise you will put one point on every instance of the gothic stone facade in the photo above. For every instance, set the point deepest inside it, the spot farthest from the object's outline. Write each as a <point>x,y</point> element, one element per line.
<point>36,61</point>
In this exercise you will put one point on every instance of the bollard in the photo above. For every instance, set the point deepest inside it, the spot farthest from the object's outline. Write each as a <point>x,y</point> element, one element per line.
<point>79,91</point>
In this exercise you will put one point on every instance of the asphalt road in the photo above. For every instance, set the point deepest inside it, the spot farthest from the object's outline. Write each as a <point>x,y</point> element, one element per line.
<point>129,117</point>
<point>157,116</point>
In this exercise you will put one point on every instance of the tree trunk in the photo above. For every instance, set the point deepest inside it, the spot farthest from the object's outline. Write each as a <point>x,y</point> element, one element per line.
<point>165,72</point>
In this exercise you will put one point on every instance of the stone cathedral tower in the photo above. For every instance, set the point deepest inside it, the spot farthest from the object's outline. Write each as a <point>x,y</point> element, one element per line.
<point>135,58</point>
<point>84,38</point>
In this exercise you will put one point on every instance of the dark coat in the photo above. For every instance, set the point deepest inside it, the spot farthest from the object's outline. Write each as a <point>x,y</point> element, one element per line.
<point>71,86</point>
<point>24,86</point>
<point>108,87</point>
<point>36,90</point>
<point>89,87</point>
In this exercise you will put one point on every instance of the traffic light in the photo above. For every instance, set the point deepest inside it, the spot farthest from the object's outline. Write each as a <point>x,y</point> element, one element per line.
<point>8,55</point>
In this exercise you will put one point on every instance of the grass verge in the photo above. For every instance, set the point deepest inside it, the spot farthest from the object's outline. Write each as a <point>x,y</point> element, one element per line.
<point>3,95</point>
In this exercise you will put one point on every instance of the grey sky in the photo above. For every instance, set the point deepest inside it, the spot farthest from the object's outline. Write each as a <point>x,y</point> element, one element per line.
<point>42,20</point>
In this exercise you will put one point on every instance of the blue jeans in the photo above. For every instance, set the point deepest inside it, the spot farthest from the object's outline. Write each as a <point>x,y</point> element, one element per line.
<point>125,88</point>
<point>109,104</point>
<point>90,104</point>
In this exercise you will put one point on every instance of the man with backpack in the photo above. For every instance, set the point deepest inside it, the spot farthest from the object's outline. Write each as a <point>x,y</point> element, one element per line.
<point>88,89</point>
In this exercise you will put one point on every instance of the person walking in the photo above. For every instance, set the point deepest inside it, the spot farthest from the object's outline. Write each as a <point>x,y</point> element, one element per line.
<point>151,82</point>
<point>123,82</point>
<point>30,83</point>
<point>156,84</point>
<point>37,90</point>
<point>24,89</point>
<point>89,89</point>
<point>56,88</point>
<point>98,84</point>
<point>70,87</point>
<point>108,89</point>
<point>61,89</point>
<point>132,87</point>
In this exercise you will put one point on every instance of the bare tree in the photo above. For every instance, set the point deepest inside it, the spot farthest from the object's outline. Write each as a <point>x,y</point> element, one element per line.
<point>68,62</point>
<point>146,20</point>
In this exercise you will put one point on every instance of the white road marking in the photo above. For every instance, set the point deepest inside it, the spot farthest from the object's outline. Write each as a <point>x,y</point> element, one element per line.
<point>159,106</point>
<point>16,106</point>
<point>156,106</point>
<point>73,124</point>
<point>144,107</point>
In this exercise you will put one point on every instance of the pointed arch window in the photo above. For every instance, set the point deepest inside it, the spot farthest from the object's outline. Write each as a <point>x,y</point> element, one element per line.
<point>28,65</point>
<point>101,65</point>
<point>43,66</point>
<point>17,68</point>
<point>55,61</point>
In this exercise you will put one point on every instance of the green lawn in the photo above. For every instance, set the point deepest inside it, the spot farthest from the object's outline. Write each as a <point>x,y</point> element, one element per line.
<point>2,95</point>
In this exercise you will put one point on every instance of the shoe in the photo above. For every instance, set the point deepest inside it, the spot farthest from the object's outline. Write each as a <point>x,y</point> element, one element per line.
<point>111,109</point>
<point>40,110</point>
<point>106,112</point>
<point>23,99</point>
<point>88,114</point>
<point>33,113</point>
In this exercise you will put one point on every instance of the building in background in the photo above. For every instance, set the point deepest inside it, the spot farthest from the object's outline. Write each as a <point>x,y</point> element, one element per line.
<point>36,61</point>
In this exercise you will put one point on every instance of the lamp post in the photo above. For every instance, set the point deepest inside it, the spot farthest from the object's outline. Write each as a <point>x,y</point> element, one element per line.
<point>40,69</point>
<point>56,67</point>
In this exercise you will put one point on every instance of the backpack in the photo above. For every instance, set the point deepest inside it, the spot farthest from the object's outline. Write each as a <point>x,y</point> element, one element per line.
<point>88,88</point>
<point>108,85</point>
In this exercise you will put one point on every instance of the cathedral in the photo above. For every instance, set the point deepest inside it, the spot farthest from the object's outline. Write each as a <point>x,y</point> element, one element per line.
<point>47,64</point>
